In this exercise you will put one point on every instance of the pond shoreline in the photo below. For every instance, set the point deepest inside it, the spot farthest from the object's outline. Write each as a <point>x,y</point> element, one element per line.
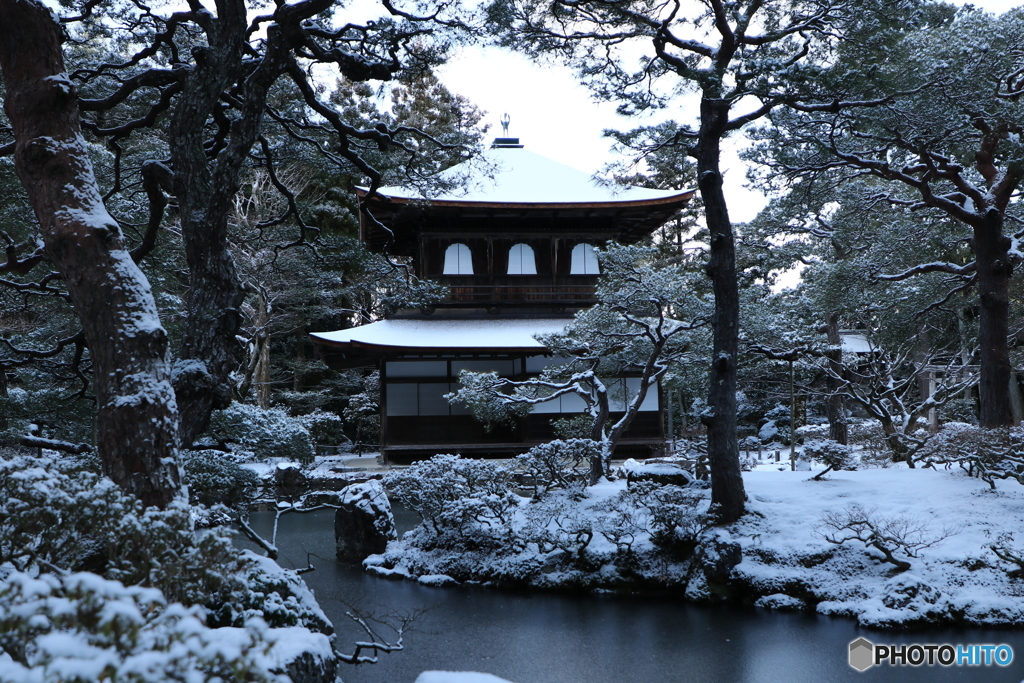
<point>776,556</point>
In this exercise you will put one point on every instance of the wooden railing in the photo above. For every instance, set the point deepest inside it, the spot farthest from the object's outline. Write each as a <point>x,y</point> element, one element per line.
<point>482,291</point>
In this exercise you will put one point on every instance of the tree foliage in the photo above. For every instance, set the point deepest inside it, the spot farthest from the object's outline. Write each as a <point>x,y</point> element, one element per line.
<point>941,140</point>
<point>647,316</point>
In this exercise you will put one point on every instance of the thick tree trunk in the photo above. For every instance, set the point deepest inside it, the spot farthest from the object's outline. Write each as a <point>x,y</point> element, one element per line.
<point>205,192</point>
<point>723,449</point>
<point>994,270</point>
<point>205,186</point>
<point>3,394</point>
<point>835,406</point>
<point>136,415</point>
<point>600,461</point>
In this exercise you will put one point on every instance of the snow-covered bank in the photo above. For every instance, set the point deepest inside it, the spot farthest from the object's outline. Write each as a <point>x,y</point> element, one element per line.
<point>942,522</point>
<point>959,579</point>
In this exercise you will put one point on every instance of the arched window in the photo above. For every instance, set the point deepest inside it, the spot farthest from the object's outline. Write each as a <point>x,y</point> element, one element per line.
<point>584,260</point>
<point>521,260</point>
<point>458,260</point>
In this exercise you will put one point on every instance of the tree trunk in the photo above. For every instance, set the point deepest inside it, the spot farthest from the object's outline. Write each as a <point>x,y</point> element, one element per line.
<point>835,406</point>
<point>990,249</point>
<point>137,419</point>
<point>299,382</point>
<point>205,195</point>
<point>723,449</point>
<point>599,463</point>
<point>3,394</point>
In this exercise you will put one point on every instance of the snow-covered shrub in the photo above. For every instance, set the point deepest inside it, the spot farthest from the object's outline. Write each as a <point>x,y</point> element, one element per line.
<point>869,436</point>
<point>988,454</point>
<point>951,443</point>
<point>895,538</point>
<point>676,513</point>
<point>746,409</point>
<point>556,523</point>
<point>776,427</point>
<point>82,628</point>
<point>470,497</point>
<point>325,429</point>
<point>813,431</point>
<point>834,455</point>
<point>61,417</point>
<point>1003,548</point>
<point>575,427</point>
<point>56,516</point>
<point>769,432</point>
<point>959,410</point>
<point>558,463</point>
<point>362,413</point>
<point>213,478</point>
<point>622,521</point>
<point>266,433</point>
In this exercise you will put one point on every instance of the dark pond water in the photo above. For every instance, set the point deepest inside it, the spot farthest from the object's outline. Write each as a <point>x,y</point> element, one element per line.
<point>541,638</point>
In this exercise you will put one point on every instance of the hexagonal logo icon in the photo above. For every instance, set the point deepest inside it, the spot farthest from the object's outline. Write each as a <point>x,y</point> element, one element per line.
<point>862,654</point>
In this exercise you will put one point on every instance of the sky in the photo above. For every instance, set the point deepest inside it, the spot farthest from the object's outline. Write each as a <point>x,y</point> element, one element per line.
<point>554,115</point>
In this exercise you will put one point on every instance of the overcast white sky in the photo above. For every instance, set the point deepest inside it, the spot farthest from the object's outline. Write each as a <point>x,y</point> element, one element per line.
<point>555,116</point>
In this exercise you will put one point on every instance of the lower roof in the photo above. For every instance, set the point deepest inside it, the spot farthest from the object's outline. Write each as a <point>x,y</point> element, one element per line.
<point>499,335</point>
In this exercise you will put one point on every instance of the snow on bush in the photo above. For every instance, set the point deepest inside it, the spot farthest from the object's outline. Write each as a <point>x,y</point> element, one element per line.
<point>265,433</point>
<point>72,421</point>
<point>213,478</point>
<point>558,463</point>
<point>476,528</point>
<point>768,432</point>
<point>466,497</point>
<point>988,454</point>
<point>80,627</point>
<point>55,515</point>
<point>834,455</point>
<point>326,429</point>
<point>896,538</point>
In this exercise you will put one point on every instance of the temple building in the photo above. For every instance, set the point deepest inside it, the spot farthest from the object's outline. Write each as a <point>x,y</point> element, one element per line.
<point>515,249</point>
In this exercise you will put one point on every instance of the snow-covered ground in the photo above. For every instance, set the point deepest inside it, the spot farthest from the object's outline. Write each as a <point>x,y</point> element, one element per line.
<point>787,561</point>
<point>959,578</point>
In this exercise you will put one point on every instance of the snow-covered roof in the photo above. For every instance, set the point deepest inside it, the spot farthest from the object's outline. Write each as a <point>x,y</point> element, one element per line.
<point>519,176</point>
<point>855,342</point>
<point>445,334</point>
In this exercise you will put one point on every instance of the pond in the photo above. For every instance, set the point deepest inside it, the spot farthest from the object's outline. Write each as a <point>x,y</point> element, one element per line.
<point>545,638</point>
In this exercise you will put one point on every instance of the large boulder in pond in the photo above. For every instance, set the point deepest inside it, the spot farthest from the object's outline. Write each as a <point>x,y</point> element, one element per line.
<point>290,480</point>
<point>363,524</point>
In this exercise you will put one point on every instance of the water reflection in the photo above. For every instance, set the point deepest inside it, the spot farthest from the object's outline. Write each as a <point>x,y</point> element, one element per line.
<point>539,638</point>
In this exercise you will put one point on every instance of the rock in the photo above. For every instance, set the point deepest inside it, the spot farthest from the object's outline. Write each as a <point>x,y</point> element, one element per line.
<point>658,471</point>
<point>780,601</point>
<point>306,657</point>
<point>908,591</point>
<point>307,668</point>
<point>290,480</point>
<point>458,677</point>
<point>801,462</point>
<point>363,524</point>
<point>718,556</point>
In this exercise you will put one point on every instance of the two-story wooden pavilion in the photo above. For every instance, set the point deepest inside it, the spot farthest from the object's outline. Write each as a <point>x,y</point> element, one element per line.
<point>516,252</point>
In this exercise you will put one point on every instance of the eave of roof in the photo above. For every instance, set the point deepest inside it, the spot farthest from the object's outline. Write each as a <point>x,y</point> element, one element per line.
<point>434,336</point>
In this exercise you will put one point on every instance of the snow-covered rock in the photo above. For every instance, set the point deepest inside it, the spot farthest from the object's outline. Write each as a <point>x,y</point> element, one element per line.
<point>458,677</point>
<point>780,601</point>
<point>363,524</point>
<point>659,472</point>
